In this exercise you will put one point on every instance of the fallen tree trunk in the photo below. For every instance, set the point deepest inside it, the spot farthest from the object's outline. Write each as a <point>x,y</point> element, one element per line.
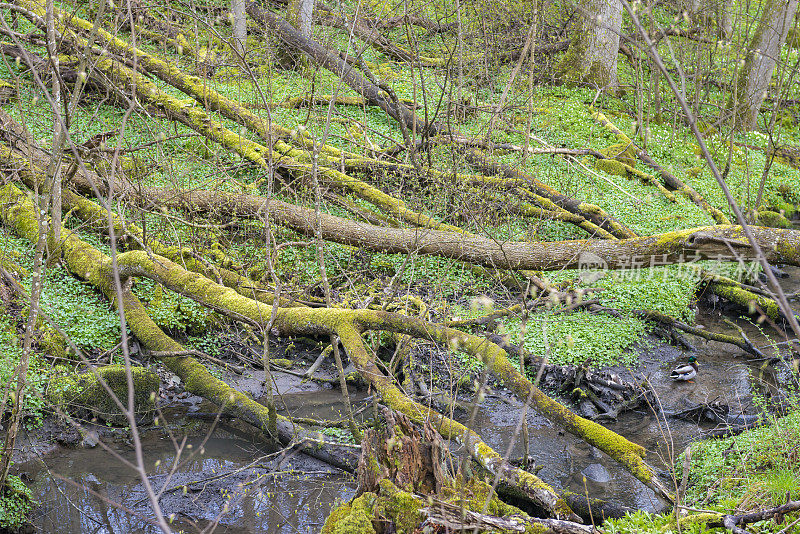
<point>710,242</point>
<point>684,245</point>
<point>348,325</point>
<point>740,342</point>
<point>27,163</point>
<point>332,62</point>
<point>93,266</point>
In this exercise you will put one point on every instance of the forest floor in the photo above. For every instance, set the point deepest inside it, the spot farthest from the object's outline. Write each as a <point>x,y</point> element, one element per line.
<point>159,152</point>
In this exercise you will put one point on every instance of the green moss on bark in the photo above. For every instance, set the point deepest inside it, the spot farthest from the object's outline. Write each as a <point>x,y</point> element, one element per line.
<point>86,392</point>
<point>354,517</point>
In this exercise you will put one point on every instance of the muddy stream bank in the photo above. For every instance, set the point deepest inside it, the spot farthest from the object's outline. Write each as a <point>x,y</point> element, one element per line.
<point>86,489</point>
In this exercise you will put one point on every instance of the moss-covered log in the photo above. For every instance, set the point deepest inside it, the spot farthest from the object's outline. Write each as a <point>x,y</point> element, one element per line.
<point>670,179</point>
<point>349,323</point>
<point>88,263</point>
<point>591,212</point>
<point>264,157</point>
<point>684,245</point>
<point>740,342</point>
<point>30,168</point>
<point>747,299</point>
<point>86,392</point>
<point>707,242</point>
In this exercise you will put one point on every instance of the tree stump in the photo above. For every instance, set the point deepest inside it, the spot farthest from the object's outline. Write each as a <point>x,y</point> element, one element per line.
<point>399,452</point>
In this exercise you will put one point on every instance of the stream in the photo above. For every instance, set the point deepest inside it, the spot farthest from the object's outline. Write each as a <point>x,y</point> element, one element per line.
<point>83,489</point>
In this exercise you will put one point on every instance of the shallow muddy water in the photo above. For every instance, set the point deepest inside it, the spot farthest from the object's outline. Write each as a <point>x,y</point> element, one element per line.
<point>571,463</point>
<point>83,490</point>
<point>76,487</point>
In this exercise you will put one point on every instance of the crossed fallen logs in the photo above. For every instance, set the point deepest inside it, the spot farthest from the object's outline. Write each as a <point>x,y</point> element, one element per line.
<point>89,264</point>
<point>230,295</point>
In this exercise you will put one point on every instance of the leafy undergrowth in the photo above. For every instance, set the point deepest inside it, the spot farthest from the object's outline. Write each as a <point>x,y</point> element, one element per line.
<point>161,153</point>
<point>10,352</point>
<point>756,470</point>
<point>574,338</point>
<point>88,319</point>
<point>16,503</point>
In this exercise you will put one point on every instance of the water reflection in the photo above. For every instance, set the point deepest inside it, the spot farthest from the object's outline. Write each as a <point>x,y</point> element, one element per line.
<point>86,490</point>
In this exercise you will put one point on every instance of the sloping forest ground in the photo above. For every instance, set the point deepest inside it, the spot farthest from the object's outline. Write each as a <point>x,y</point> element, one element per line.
<point>580,317</point>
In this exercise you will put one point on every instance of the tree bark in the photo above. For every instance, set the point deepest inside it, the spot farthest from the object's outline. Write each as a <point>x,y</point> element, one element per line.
<point>298,15</point>
<point>592,54</point>
<point>304,17</point>
<point>762,55</point>
<point>239,25</point>
<point>720,12</point>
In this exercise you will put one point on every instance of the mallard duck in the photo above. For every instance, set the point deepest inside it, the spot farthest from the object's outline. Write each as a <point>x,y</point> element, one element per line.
<point>686,371</point>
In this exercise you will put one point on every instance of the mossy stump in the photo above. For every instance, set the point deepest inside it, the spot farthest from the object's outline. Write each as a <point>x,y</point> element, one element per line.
<point>84,393</point>
<point>401,453</point>
<point>402,485</point>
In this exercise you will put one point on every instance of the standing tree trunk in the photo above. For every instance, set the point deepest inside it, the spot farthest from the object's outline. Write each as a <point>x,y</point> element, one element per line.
<point>762,55</point>
<point>721,13</point>
<point>298,14</point>
<point>239,25</point>
<point>705,13</point>
<point>592,55</point>
<point>52,196</point>
<point>305,10</point>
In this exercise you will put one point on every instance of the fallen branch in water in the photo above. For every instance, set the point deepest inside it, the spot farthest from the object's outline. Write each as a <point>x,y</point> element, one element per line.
<point>238,369</point>
<point>743,343</point>
<point>736,523</point>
